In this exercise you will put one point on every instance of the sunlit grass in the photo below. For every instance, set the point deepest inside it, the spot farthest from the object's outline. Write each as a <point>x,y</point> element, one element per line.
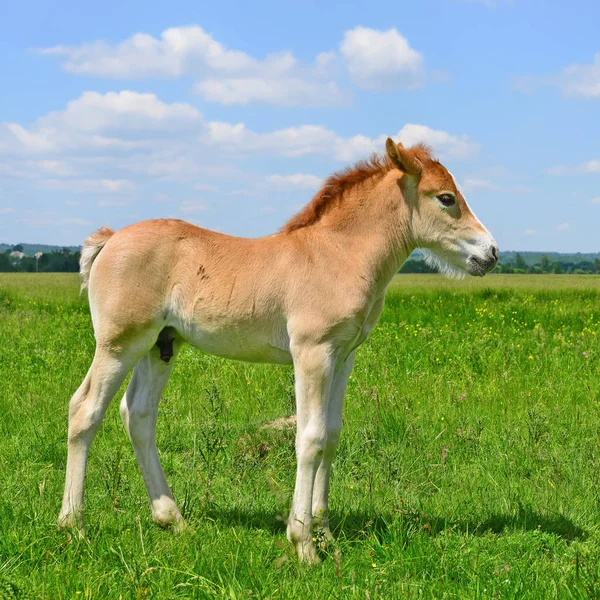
<point>468,465</point>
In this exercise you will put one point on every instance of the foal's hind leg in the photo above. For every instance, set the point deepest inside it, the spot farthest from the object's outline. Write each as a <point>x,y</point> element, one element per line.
<point>139,410</point>
<point>86,411</point>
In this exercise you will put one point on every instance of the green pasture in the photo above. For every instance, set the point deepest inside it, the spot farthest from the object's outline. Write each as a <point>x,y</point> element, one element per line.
<point>469,465</point>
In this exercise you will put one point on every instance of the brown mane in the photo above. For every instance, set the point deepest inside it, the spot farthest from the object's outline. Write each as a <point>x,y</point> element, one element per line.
<point>335,185</point>
<point>423,153</point>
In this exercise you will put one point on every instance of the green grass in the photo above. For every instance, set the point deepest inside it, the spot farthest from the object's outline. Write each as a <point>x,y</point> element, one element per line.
<point>468,467</point>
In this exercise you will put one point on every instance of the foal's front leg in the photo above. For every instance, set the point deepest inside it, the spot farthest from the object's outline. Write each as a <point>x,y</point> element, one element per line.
<point>320,502</point>
<point>313,367</point>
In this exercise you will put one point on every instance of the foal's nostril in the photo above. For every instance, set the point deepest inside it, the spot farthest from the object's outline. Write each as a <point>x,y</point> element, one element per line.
<point>495,253</point>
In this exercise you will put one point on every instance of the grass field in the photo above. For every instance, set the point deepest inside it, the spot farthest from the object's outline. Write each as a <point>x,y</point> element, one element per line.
<point>469,465</point>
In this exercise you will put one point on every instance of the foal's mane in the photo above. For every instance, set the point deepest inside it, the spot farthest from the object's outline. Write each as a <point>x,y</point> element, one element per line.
<point>340,182</point>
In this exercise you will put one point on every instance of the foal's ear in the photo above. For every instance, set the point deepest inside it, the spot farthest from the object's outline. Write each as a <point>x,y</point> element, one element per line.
<point>403,159</point>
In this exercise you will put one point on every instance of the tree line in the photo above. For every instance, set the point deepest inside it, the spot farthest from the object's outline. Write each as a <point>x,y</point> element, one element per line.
<point>545,265</point>
<point>58,261</point>
<point>519,266</point>
<point>67,261</point>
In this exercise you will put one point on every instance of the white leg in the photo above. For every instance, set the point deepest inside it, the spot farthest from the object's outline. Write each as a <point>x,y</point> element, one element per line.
<point>86,411</point>
<point>320,499</point>
<point>139,411</point>
<point>313,372</point>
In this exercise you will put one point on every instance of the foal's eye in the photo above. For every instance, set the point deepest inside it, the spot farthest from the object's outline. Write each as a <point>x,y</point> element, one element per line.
<point>447,199</point>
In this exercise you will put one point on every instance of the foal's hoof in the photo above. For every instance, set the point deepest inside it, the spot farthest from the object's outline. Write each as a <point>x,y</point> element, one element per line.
<point>74,525</point>
<point>166,514</point>
<point>176,525</point>
<point>307,553</point>
<point>174,522</point>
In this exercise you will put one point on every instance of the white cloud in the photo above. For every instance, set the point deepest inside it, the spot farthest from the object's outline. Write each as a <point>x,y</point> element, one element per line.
<point>7,210</point>
<point>13,135</point>
<point>316,139</point>
<point>116,143</point>
<point>293,141</point>
<point>529,232</point>
<point>444,144</point>
<point>382,60</point>
<point>579,80</point>
<point>595,200</point>
<point>376,60</point>
<point>563,227</point>
<point>283,91</point>
<point>228,76</point>
<point>299,181</point>
<point>93,111</point>
<point>582,80</point>
<point>358,146</point>
<point>591,166</point>
<point>125,120</point>
<point>179,50</point>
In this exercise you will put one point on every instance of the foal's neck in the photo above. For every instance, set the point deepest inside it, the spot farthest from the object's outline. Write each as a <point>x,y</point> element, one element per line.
<point>372,223</point>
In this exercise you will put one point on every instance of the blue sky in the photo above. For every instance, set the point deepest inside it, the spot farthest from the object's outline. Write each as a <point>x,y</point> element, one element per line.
<point>230,114</point>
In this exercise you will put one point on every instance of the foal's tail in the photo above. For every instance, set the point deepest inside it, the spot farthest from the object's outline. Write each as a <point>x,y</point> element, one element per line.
<point>91,248</point>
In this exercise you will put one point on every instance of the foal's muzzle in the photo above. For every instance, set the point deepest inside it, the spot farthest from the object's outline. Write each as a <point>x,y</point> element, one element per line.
<point>480,265</point>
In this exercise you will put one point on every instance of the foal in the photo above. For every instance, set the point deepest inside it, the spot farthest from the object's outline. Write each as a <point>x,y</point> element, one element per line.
<point>308,295</point>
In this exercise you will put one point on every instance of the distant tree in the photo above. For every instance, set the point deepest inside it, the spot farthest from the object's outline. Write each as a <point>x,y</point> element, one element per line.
<point>545,263</point>
<point>596,265</point>
<point>5,263</point>
<point>587,266</point>
<point>535,270</point>
<point>520,262</point>
<point>17,248</point>
<point>505,269</point>
<point>557,268</point>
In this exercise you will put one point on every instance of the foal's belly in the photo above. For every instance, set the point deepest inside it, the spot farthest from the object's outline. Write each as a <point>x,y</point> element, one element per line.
<point>249,344</point>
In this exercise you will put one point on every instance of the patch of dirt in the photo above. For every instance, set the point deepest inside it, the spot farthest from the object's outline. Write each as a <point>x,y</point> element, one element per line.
<point>280,424</point>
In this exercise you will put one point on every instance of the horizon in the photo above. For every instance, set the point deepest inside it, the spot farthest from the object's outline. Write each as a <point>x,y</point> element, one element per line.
<point>232,121</point>
<point>412,254</point>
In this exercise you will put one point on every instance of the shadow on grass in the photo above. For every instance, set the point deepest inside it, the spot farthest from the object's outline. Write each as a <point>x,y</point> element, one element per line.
<point>249,519</point>
<point>356,525</point>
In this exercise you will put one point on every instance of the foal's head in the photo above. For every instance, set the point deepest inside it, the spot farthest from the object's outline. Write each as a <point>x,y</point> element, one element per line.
<point>441,221</point>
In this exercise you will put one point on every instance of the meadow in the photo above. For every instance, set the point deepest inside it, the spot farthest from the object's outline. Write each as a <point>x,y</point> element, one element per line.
<point>469,465</point>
